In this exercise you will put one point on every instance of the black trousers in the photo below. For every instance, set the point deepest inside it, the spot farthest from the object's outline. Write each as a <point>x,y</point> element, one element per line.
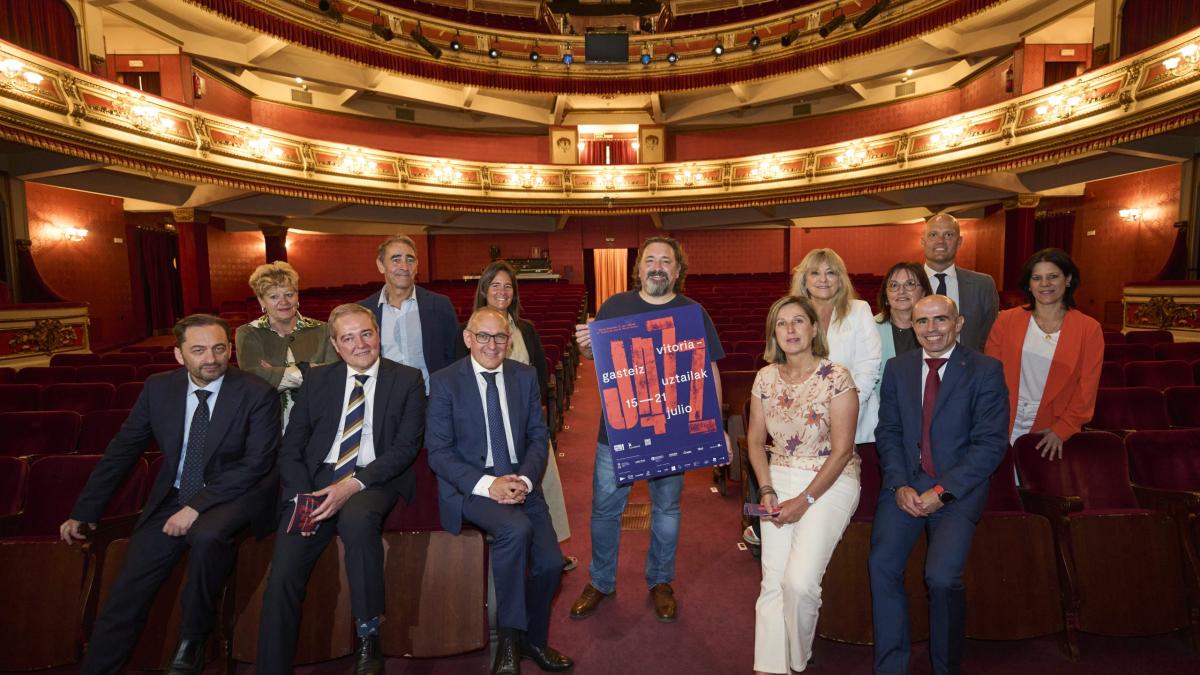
<point>360,525</point>
<point>152,556</point>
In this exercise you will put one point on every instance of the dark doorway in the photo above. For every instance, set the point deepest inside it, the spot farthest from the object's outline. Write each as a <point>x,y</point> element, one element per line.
<point>154,271</point>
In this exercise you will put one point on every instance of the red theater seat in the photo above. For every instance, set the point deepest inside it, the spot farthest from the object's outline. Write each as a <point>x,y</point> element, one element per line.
<point>114,374</point>
<point>14,473</point>
<point>1113,337</point>
<point>99,427</point>
<point>1165,459</point>
<point>166,357</point>
<point>1122,409</point>
<point>737,362</point>
<point>17,397</point>
<point>55,482</point>
<point>74,359</point>
<point>44,375</point>
<point>1148,337</point>
<point>1183,351</point>
<point>39,432</point>
<point>127,358</point>
<point>1183,407</point>
<point>1128,352</point>
<point>144,372</point>
<point>127,394</point>
<point>81,398</point>
<point>1158,374</point>
<point>8,375</point>
<point>1105,539</point>
<point>1112,374</point>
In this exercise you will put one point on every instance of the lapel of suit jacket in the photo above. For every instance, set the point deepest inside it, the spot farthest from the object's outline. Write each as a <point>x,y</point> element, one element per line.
<point>333,400</point>
<point>909,385</point>
<point>516,411</point>
<point>425,312</point>
<point>468,395</point>
<point>176,395</point>
<point>379,406</point>
<point>229,402</point>
<point>955,369</point>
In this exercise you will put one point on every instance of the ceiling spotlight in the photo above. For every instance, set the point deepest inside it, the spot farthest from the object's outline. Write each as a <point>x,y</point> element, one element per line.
<point>493,52</point>
<point>672,58</point>
<point>718,49</point>
<point>755,41</point>
<point>434,50</point>
<point>381,28</point>
<point>790,37</point>
<point>873,11</point>
<point>330,10</point>
<point>568,58</point>
<point>646,58</point>
<point>456,43</point>
<point>832,25</point>
<point>535,56</point>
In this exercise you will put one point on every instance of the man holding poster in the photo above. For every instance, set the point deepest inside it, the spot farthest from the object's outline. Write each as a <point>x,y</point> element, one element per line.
<point>691,377</point>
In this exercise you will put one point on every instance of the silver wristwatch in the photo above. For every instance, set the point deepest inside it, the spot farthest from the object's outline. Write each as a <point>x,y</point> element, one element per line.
<point>809,498</point>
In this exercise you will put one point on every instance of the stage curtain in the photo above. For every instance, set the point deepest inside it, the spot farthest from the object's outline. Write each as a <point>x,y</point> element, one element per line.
<point>160,257</point>
<point>43,26</point>
<point>1148,22</point>
<point>611,274</point>
<point>1054,229</point>
<point>608,152</point>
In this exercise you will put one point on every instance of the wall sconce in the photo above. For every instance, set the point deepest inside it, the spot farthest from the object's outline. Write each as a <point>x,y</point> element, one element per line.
<point>1188,57</point>
<point>143,114</point>
<point>691,175</point>
<point>444,173</point>
<point>1130,215</point>
<point>259,146</point>
<point>853,156</point>
<point>949,136</point>
<point>635,145</point>
<point>355,163</point>
<point>611,179</point>
<point>582,145</point>
<point>1061,105</point>
<point>767,169</point>
<point>74,233</point>
<point>13,75</point>
<point>528,178</point>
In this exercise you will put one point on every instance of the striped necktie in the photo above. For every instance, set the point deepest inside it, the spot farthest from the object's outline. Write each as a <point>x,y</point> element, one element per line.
<point>352,430</point>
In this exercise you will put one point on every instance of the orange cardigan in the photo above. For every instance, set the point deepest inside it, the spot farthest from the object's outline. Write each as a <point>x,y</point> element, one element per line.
<point>1069,398</point>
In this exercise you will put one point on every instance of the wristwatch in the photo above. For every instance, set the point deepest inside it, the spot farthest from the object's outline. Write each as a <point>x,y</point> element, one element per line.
<point>944,496</point>
<point>808,498</point>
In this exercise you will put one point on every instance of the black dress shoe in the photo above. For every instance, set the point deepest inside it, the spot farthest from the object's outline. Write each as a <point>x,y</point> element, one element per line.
<point>547,658</point>
<point>189,657</point>
<point>368,660</point>
<point>507,661</point>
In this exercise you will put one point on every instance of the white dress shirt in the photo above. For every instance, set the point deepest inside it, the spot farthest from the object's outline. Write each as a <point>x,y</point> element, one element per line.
<point>189,410</point>
<point>485,482</point>
<point>951,282</point>
<point>400,336</point>
<point>941,371</point>
<point>366,445</point>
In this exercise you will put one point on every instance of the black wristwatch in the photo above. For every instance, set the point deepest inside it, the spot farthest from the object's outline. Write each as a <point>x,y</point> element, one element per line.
<point>946,497</point>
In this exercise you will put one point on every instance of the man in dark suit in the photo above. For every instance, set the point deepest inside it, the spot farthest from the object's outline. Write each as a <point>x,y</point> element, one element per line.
<point>487,444</point>
<point>218,429</point>
<point>973,292</point>
<point>353,435</point>
<point>417,327</point>
<point>943,429</point>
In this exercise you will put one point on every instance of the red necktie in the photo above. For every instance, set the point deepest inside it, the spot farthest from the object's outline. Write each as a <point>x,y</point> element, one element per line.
<point>932,384</point>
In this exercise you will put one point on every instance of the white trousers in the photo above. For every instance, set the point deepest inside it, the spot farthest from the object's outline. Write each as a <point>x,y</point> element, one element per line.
<point>794,558</point>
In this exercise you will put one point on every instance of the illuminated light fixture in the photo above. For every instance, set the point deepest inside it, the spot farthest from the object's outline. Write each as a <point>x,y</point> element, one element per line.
<point>456,43</point>
<point>853,156</point>
<point>635,145</point>
<point>1130,214</point>
<point>691,175</point>
<point>330,10</point>
<point>790,37</point>
<point>1189,57</point>
<point>718,49</point>
<point>612,179</point>
<point>1061,105</point>
<point>535,56</point>
<point>143,115</point>
<point>382,29</point>
<point>767,169</point>
<point>834,23</point>
<point>950,135</point>
<point>259,146</point>
<point>493,52</point>
<point>672,58</point>
<point>356,163</point>
<point>582,145</point>
<point>529,179</point>
<point>299,80</point>
<point>908,73</point>
<point>14,75</point>
<point>74,233</point>
<point>873,11</point>
<point>426,44</point>
<point>444,172</point>
<point>645,57</point>
<point>754,42</point>
<point>568,59</point>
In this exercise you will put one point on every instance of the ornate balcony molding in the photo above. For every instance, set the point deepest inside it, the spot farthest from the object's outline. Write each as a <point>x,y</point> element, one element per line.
<point>78,114</point>
<point>299,22</point>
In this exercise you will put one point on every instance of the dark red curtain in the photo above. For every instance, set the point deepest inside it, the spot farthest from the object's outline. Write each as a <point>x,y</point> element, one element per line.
<point>160,278</point>
<point>1054,229</point>
<point>1148,22</point>
<point>608,152</point>
<point>43,26</point>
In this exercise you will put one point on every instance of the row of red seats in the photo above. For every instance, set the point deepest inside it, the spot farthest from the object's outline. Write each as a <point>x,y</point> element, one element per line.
<point>1124,409</point>
<point>115,375</point>
<point>59,432</point>
<point>140,357</point>
<point>1157,351</point>
<point>1156,374</point>
<point>77,396</point>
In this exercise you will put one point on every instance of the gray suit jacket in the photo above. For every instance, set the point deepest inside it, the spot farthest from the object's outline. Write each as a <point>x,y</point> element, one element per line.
<point>978,303</point>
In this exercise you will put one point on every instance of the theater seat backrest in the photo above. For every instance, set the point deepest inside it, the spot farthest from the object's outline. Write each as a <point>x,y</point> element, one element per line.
<point>55,483</point>
<point>1165,459</point>
<point>17,397</point>
<point>14,473</point>
<point>39,432</point>
<point>422,513</point>
<point>80,397</point>
<point>1093,467</point>
<point>1002,489</point>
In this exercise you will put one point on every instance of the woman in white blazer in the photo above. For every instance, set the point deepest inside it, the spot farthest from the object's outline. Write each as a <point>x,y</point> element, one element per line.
<point>849,329</point>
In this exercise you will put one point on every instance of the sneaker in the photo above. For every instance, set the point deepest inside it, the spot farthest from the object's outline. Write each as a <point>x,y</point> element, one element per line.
<point>749,537</point>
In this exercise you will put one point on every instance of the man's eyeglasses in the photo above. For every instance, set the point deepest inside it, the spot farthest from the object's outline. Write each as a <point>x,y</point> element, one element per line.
<point>909,285</point>
<point>484,338</point>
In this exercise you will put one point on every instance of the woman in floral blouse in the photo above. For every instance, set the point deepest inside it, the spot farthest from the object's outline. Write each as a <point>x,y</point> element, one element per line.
<point>808,478</point>
<point>281,345</point>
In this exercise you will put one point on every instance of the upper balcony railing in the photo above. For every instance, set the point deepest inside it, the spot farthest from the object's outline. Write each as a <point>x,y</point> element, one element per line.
<point>45,105</point>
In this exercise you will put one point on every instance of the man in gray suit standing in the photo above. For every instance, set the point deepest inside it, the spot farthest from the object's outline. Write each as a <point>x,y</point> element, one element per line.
<point>974,292</point>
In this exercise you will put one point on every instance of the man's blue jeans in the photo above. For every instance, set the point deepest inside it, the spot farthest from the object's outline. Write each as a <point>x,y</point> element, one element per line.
<point>608,501</point>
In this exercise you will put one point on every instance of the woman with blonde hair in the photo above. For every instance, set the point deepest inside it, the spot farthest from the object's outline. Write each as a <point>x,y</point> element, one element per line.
<point>847,326</point>
<point>808,478</point>
<point>281,345</point>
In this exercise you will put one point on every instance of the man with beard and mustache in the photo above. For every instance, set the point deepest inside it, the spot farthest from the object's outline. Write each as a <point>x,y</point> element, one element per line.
<point>658,285</point>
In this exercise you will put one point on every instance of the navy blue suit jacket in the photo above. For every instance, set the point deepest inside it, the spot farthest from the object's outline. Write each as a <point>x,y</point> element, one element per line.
<point>239,451</point>
<point>439,326</point>
<point>970,424</point>
<point>456,434</point>
<point>397,422</point>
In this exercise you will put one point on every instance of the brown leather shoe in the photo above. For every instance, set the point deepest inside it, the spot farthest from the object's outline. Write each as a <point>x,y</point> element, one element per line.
<point>587,602</point>
<point>664,602</point>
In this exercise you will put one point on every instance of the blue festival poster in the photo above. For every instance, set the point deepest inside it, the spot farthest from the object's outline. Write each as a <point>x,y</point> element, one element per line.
<point>657,393</point>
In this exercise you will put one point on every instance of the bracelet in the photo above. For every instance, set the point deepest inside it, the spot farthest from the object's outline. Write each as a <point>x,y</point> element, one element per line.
<point>766,490</point>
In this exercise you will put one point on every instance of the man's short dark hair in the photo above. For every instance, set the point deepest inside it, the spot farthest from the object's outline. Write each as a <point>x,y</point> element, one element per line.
<point>197,320</point>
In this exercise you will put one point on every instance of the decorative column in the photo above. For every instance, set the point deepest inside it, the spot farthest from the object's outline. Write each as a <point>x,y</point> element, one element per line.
<point>1019,216</point>
<point>275,240</point>
<point>194,278</point>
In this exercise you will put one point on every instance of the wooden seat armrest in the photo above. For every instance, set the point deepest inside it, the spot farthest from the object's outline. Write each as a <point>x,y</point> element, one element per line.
<point>1175,502</point>
<point>1053,507</point>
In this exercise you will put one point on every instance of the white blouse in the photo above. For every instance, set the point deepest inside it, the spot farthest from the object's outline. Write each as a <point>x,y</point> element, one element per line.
<point>1037,354</point>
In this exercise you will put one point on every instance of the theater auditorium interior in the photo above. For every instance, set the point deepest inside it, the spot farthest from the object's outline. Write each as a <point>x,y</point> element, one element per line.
<point>155,152</point>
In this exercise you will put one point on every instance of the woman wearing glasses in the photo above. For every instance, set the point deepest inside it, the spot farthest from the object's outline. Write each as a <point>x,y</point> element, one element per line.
<point>498,289</point>
<point>903,286</point>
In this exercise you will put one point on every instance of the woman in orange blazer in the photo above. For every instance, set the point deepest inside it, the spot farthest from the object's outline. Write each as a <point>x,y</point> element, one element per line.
<point>1052,354</point>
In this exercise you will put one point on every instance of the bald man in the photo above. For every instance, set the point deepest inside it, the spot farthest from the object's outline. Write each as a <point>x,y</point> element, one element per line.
<point>973,292</point>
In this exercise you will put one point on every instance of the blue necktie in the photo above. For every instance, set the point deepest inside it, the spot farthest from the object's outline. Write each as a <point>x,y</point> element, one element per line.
<point>356,409</point>
<point>192,478</point>
<point>941,285</point>
<point>501,464</point>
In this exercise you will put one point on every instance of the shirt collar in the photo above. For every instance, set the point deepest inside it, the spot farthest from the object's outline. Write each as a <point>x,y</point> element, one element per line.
<point>213,387</point>
<point>373,371</point>
<point>949,272</point>
<point>383,296</point>
<point>946,355</point>
<point>479,369</point>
